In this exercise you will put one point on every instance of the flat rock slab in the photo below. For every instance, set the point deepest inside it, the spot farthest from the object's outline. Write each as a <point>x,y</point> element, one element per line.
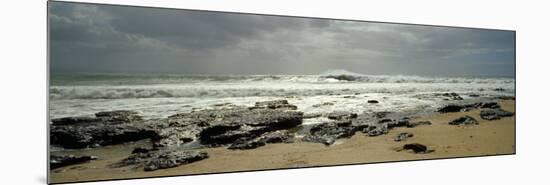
<point>58,161</point>
<point>161,159</point>
<point>465,120</point>
<point>494,114</point>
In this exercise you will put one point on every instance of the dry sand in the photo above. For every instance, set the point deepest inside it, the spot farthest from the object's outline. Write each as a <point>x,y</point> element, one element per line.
<point>488,138</point>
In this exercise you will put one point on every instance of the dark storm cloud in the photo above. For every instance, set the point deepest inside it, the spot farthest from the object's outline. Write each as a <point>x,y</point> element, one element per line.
<point>116,39</point>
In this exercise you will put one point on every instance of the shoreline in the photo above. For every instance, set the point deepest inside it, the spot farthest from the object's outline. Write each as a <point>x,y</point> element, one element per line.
<point>496,137</point>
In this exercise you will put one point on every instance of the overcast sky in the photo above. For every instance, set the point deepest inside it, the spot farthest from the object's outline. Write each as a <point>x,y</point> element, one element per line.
<point>116,39</point>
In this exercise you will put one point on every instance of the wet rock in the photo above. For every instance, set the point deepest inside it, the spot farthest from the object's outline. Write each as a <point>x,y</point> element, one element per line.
<point>372,101</point>
<point>274,104</point>
<point>403,136</point>
<point>95,134</point>
<point>245,143</point>
<point>162,159</point>
<point>231,125</point>
<point>474,95</point>
<point>277,137</point>
<point>342,77</point>
<point>119,116</point>
<point>272,137</point>
<point>450,108</point>
<point>327,133</point>
<point>314,115</point>
<point>74,120</point>
<point>491,105</point>
<point>58,161</point>
<point>465,120</point>
<point>494,114</point>
<point>452,96</point>
<point>376,130</point>
<point>417,148</point>
<point>414,124</point>
<point>341,115</point>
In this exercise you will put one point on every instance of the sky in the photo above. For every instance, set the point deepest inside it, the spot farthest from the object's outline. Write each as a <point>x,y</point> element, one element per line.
<point>103,39</point>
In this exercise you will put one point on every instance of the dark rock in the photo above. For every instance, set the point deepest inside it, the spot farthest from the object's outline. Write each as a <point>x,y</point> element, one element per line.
<point>348,97</point>
<point>450,108</point>
<point>58,161</point>
<point>340,115</point>
<point>163,159</point>
<point>245,143</point>
<point>474,95</point>
<point>490,105</point>
<point>451,96</point>
<point>465,120</point>
<point>309,116</point>
<point>82,136</point>
<point>403,136</point>
<point>342,77</point>
<point>119,116</point>
<point>376,130</point>
<point>417,148</point>
<point>414,124</point>
<point>277,137</point>
<point>74,120</point>
<point>271,137</point>
<point>327,133</point>
<point>231,125</point>
<point>372,101</point>
<point>498,89</point>
<point>494,114</point>
<point>506,97</point>
<point>274,104</point>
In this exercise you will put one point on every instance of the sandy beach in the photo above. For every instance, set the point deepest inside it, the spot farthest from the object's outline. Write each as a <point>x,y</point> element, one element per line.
<point>495,137</point>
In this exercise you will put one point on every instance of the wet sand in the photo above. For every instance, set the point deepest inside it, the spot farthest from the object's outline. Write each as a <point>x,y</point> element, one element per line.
<point>488,138</point>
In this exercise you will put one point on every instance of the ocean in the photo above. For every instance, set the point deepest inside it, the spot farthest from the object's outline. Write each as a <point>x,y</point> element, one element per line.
<point>158,96</point>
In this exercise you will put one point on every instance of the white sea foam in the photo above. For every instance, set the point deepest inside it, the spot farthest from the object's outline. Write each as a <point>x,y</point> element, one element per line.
<point>156,96</point>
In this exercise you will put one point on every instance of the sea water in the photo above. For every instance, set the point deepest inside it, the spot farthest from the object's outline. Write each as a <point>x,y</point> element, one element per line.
<point>158,96</point>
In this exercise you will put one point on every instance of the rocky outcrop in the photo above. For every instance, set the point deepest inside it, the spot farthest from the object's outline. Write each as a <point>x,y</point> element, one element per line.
<point>451,108</point>
<point>494,114</point>
<point>466,107</point>
<point>213,126</point>
<point>108,117</point>
<point>327,133</point>
<point>58,161</point>
<point>465,120</point>
<point>341,115</point>
<point>403,136</point>
<point>372,101</point>
<point>231,125</point>
<point>271,137</point>
<point>104,130</point>
<point>274,104</point>
<point>161,159</point>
